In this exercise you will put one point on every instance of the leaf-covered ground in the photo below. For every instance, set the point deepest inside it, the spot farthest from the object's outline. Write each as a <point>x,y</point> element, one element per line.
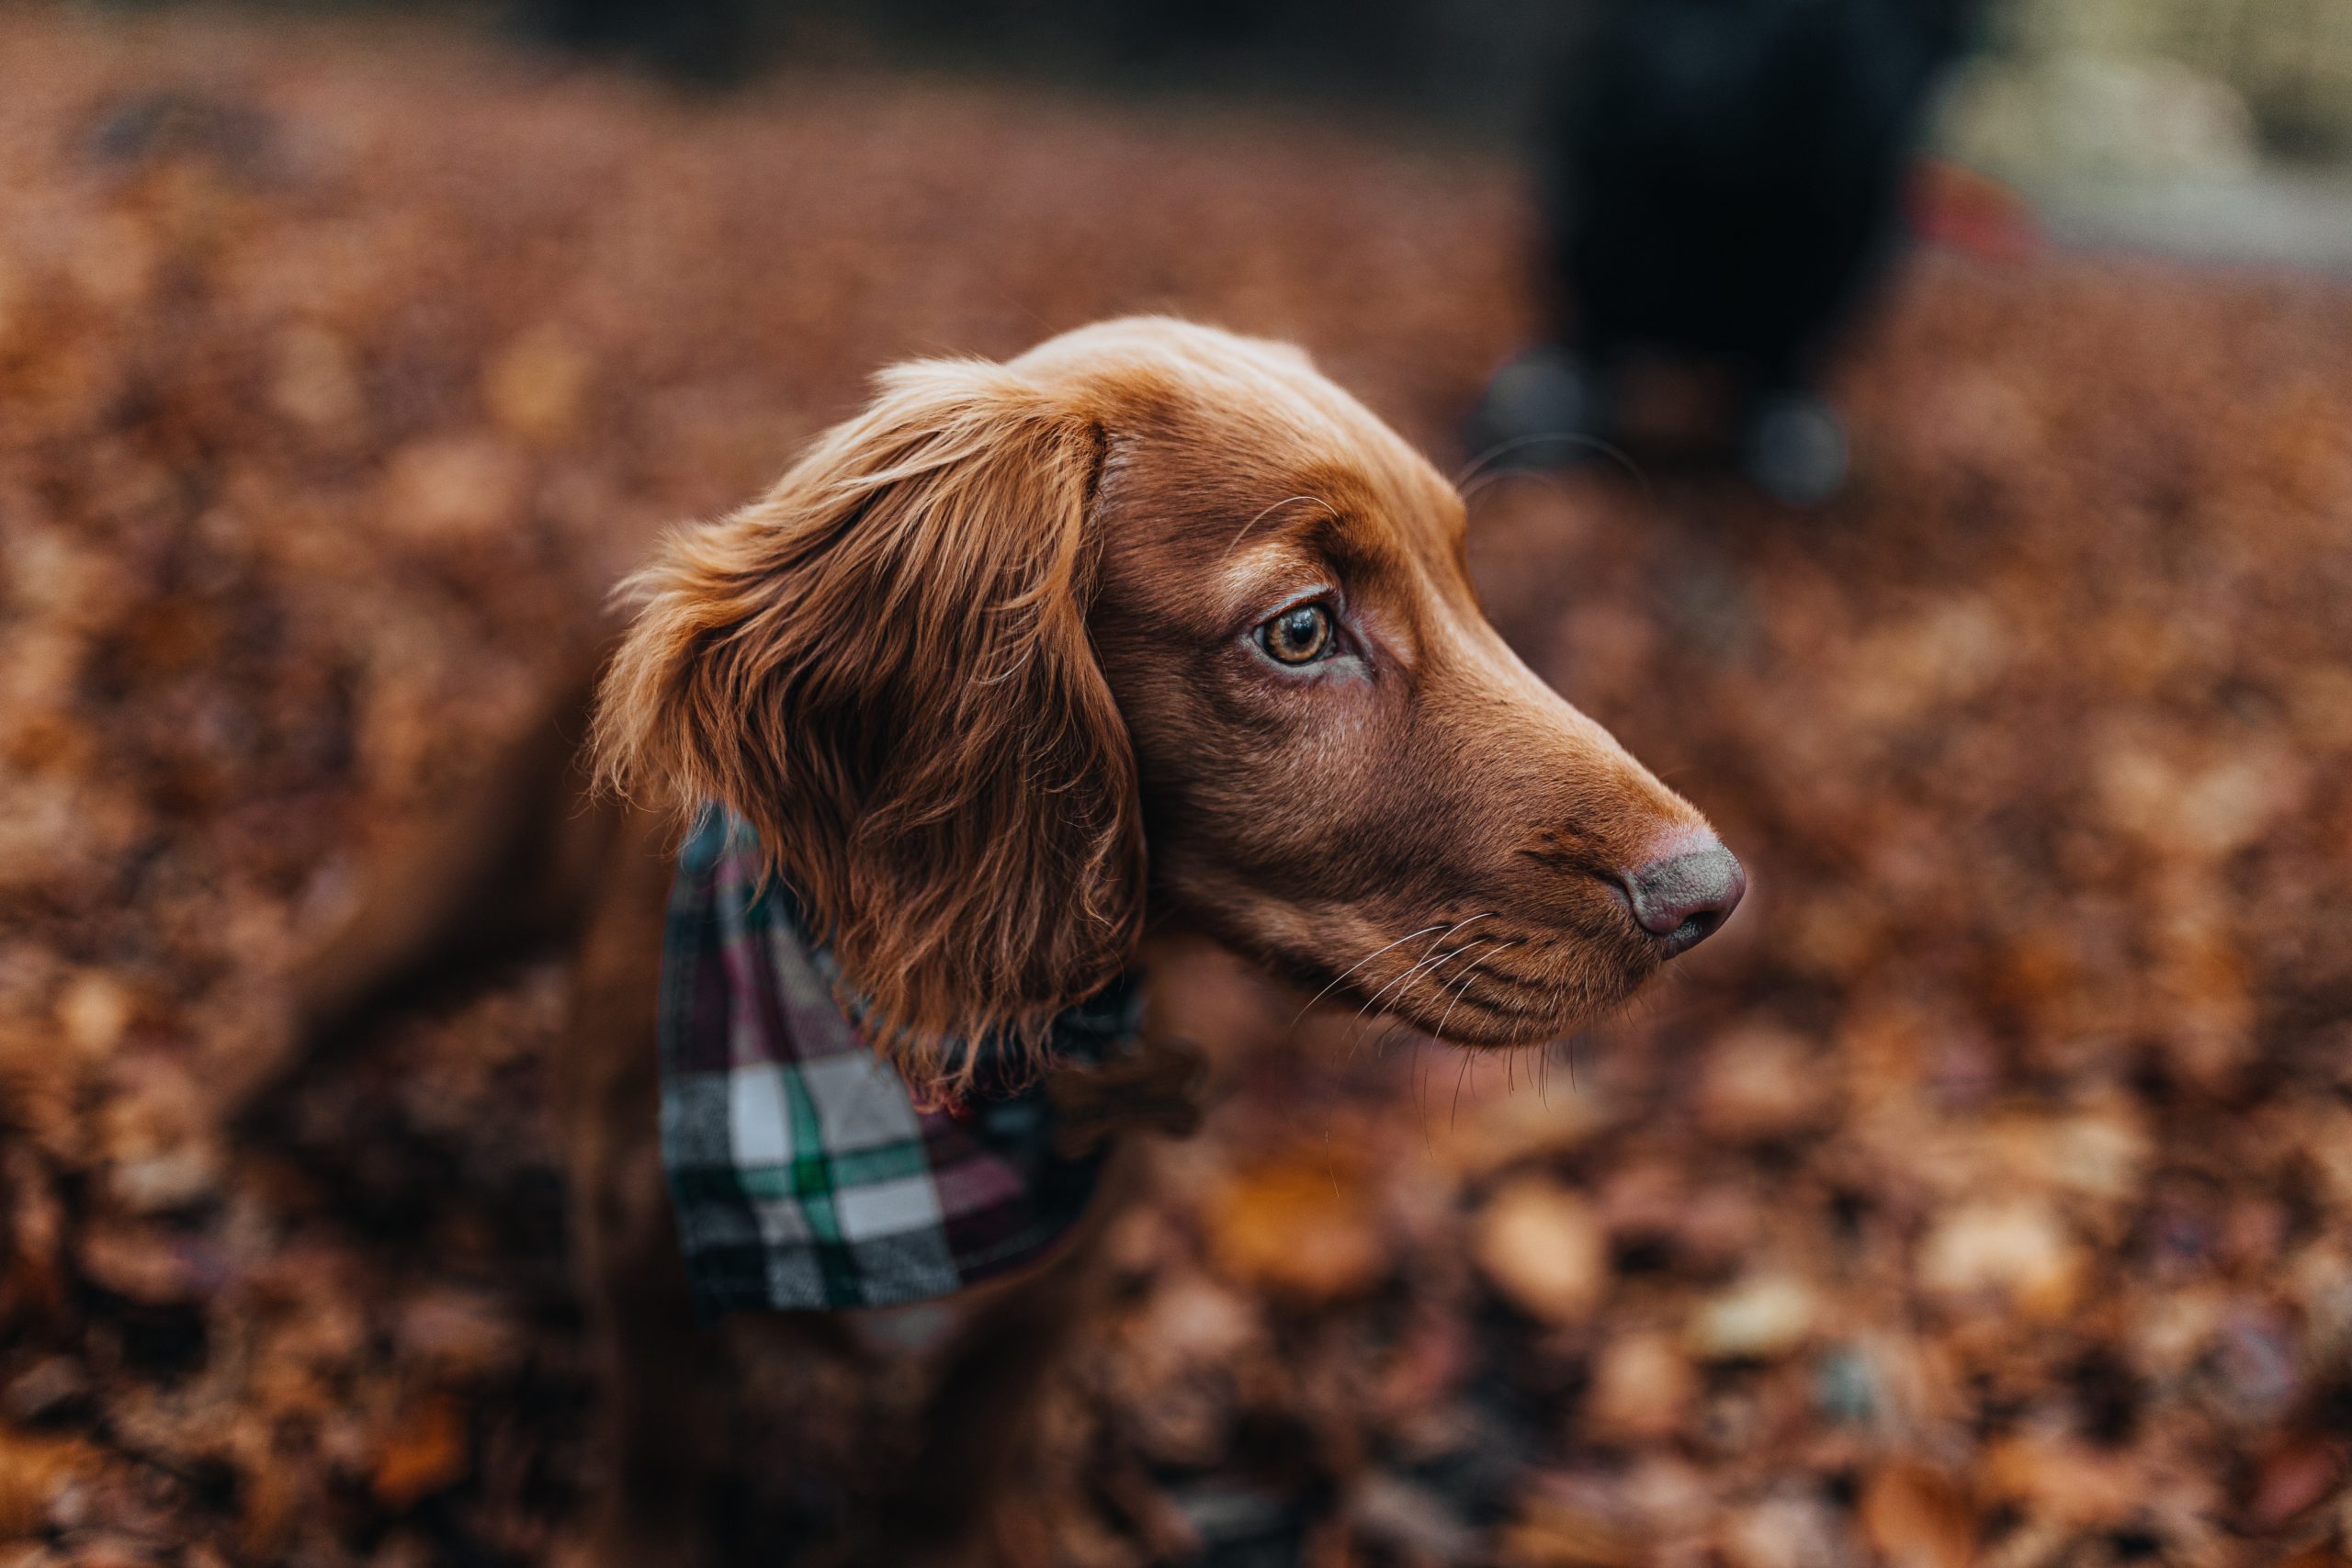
<point>1982,1195</point>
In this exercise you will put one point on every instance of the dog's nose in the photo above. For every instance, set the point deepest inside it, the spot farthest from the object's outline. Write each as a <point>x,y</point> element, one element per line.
<point>1685,897</point>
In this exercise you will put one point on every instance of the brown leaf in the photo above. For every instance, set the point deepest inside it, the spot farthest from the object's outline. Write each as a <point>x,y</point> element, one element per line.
<point>1300,1228</point>
<point>142,1264</point>
<point>1642,1386</point>
<point>2315,1557</point>
<point>1761,1082</point>
<point>2293,1476</point>
<point>1916,1518</point>
<point>1765,1316</point>
<point>1543,1248</point>
<point>2016,1251</point>
<point>535,386</point>
<point>451,488</point>
<point>34,1469</point>
<point>426,1451</point>
<point>1557,1533</point>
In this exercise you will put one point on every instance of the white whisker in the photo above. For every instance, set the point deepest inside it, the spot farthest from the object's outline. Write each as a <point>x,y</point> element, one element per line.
<point>1360,963</point>
<point>1476,466</point>
<point>1462,983</point>
<point>1374,1000</point>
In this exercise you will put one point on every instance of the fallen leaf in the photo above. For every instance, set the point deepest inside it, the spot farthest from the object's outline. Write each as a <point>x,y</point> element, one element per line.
<point>1550,1533</point>
<point>1295,1226</point>
<point>1642,1386</point>
<point>1766,1317</point>
<point>425,1452</point>
<point>34,1468</point>
<point>2016,1251</point>
<point>1544,1249</point>
<point>1916,1518</point>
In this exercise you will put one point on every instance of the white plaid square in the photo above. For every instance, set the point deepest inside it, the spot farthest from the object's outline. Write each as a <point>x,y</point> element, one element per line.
<point>758,1119</point>
<point>888,1208</point>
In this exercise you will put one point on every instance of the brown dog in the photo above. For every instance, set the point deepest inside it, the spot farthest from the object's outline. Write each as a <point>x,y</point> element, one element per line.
<point>1150,634</point>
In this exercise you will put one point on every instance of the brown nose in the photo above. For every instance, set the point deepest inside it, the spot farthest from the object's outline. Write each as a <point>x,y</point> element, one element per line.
<point>1684,897</point>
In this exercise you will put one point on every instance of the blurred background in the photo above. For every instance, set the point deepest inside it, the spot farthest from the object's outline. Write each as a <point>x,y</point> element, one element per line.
<point>1982,1195</point>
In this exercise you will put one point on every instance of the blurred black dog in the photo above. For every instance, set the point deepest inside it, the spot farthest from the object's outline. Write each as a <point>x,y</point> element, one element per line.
<point>712,43</point>
<point>1726,186</point>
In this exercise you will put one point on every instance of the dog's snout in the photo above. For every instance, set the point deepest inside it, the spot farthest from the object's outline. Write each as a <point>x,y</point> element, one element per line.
<point>1685,897</point>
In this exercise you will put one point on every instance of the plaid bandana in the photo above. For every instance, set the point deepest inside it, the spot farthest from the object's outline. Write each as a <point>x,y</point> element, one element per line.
<point>802,1175</point>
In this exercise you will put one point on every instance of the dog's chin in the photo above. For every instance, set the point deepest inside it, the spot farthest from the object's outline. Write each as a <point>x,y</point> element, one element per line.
<point>1508,1022</point>
<point>1552,994</point>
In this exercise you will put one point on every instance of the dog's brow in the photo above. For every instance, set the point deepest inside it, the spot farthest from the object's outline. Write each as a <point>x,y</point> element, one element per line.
<point>1277,506</point>
<point>1270,564</point>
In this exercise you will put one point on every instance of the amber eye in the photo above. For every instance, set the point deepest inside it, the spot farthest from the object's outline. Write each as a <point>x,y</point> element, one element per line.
<point>1297,635</point>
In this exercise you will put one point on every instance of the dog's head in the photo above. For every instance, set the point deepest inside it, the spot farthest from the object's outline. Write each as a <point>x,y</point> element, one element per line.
<point>1153,622</point>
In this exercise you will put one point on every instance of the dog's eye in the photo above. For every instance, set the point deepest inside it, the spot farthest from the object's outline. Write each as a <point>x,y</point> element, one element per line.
<point>1298,636</point>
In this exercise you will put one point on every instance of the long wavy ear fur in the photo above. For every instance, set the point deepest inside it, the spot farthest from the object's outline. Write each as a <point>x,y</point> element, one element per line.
<point>884,666</point>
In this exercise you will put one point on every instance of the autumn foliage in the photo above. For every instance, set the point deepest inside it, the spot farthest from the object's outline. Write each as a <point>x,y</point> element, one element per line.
<point>1984,1194</point>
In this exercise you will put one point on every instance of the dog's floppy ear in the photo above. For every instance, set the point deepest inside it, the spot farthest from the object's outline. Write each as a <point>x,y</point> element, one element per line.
<point>884,666</point>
